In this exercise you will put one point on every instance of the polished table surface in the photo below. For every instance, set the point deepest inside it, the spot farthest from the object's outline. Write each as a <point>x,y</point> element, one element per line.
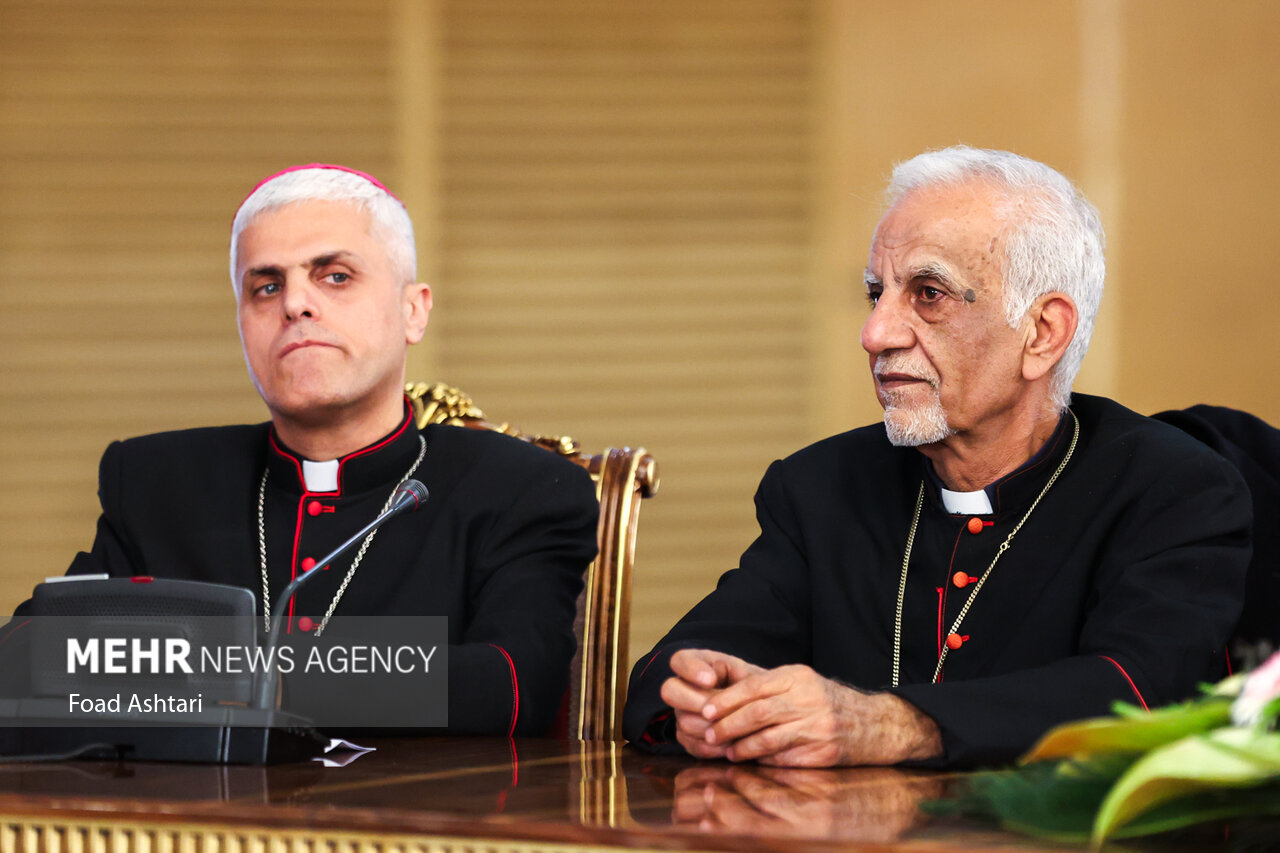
<point>533,795</point>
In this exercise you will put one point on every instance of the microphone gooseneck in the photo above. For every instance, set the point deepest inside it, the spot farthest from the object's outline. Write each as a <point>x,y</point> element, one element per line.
<point>408,497</point>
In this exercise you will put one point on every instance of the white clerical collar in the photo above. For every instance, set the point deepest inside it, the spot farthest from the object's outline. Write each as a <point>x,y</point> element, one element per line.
<point>320,476</point>
<point>966,503</point>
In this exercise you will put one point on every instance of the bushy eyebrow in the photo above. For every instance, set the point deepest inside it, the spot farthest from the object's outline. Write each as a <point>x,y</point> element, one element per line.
<point>929,269</point>
<point>322,260</point>
<point>329,258</point>
<point>935,271</point>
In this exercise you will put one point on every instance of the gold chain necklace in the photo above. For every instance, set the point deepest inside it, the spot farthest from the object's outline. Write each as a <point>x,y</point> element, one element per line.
<point>1004,546</point>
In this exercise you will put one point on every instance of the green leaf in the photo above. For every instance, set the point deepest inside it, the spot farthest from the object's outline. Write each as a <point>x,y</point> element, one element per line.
<point>1127,735</point>
<point>1059,801</point>
<point>1270,714</point>
<point>1127,711</point>
<point>1051,800</point>
<point>1219,804</point>
<point>1224,758</point>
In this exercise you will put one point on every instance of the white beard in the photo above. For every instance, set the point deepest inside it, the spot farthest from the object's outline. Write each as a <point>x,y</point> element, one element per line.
<point>912,426</point>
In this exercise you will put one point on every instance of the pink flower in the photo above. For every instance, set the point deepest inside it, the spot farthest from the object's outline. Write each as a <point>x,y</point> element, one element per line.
<point>1262,686</point>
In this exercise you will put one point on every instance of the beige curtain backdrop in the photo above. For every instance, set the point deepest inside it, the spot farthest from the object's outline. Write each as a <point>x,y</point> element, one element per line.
<point>645,220</point>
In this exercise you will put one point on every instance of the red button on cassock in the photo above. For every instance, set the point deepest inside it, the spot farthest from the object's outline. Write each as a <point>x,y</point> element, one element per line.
<point>308,563</point>
<point>314,508</point>
<point>954,641</point>
<point>305,624</point>
<point>963,579</point>
<point>975,525</point>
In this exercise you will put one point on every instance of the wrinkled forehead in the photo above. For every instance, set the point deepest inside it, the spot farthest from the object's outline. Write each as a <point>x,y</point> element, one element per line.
<point>956,224</point>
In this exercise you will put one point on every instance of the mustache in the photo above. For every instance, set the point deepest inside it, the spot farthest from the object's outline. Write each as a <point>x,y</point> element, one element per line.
<point>906,366</point>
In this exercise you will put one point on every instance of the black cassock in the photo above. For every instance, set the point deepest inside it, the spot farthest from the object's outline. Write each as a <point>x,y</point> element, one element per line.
<point>499,548</point>
<point>1124,583</point>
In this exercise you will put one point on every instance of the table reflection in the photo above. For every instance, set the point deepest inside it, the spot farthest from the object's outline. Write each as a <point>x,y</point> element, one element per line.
<point>856,804</point>
<point>589,794</point>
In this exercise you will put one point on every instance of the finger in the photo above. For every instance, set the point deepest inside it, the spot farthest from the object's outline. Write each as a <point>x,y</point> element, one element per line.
<point>696,667</point>
<point>707,668</point>
<point>732,669</point>
<point>767,742</point>
<point>804,754</point>
<point>698,747</point>
<point>702,750</point>
<point>757,714</point>
<point>759,685</point>
<point>692,724</point>
<point>800,757</point>
<point>683,696</point>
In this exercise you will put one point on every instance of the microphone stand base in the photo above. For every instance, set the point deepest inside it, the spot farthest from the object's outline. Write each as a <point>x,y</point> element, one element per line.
<point>260,738</point>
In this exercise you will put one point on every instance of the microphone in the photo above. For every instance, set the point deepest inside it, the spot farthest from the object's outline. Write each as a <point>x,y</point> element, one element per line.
<point>409,490</point>
<point>256,734</point>
<point>409,496</point>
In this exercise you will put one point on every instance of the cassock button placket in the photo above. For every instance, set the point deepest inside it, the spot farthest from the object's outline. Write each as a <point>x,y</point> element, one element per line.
<point>355,563</point>
<point>982,579</point>
<point>314,508</point>
<point>975,525</point>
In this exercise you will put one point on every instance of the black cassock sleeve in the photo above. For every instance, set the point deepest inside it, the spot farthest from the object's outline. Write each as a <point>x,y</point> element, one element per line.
<point>758,612</point>
<point>511,670</point>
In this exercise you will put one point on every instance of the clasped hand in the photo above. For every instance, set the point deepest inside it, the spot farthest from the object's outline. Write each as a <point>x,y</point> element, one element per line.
<point>789,716</point>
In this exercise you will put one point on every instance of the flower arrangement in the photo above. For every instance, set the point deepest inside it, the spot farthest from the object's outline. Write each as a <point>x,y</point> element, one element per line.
<point>1212,758</point>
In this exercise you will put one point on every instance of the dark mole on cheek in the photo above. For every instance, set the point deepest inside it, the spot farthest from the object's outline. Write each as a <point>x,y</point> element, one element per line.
<point>969,295</point>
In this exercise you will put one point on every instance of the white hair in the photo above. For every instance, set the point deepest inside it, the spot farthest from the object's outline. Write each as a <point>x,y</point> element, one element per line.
<point>1054,242</point>
<point>319,182</point>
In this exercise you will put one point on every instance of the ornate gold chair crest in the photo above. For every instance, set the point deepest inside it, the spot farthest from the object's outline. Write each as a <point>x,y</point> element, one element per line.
<point>623,476</point>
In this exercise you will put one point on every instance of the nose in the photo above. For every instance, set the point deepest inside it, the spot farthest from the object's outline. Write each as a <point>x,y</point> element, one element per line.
<point>888,327</point>
<point>299,298</point>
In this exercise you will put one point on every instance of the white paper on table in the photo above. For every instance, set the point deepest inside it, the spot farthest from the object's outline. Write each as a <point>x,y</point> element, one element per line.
<point>346,752</point>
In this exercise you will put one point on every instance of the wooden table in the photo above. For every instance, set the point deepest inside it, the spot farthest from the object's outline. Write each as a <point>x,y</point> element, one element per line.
<point>485,794</point>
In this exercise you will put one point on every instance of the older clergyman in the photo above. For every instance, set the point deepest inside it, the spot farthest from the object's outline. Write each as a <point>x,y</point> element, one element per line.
<point>997,557</point>
<point>327,300</point>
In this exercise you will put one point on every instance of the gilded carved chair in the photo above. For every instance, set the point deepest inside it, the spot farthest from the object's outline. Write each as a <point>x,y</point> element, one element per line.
<point>623,477</point>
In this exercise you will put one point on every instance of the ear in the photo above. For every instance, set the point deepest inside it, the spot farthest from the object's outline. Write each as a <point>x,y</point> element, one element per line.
<point>1051,326</point>
<point>416,304</point>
